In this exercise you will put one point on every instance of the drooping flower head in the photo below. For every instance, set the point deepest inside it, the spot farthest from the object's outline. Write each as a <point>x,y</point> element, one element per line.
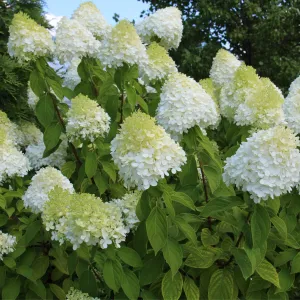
<point>223,68</point>
<point>74,294</point>
<point>86,119</point>
<point>122,45</point>
<point>7,244</point>
<point>208,86</point>
<point>83,218</point>
<point>128,205</point>
<point>89,16</point>
<point>266,165</point>
<point>165,25</point>
<point>262,107</point>
<point>42,183</point>
<point>73,40</point>
<point>159,64</point>
<point>28,40</point>
<point>144,152</point>
<point>12,161</point>
<point>184,104</point>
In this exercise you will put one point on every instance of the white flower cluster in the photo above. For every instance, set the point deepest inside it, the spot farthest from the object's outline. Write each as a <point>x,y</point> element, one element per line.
<point>128,207</point>
<point>34,152</point>
<point>291,106</point>
<point>159,64</point>
<point>73,40</point>
<point>74,294</point>
<point>250,100</point>
<point>223,68</point>
<point>12,161</point>
<point>86,119</point>
<point>28,40</point>
<point>71,77</point>
<point>122,45</point>
<point>266,165</point>
<point>89,16</point>
<point>144,152</point>
<point>98,223</point>
<point>41,184</point>
<point>7,243</point>
<point>30,134</point>
<point>165,24</point>
<point>183,105</point>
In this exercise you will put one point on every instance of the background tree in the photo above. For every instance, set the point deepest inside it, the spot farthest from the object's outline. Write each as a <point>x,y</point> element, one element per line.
<point>263,33</point>
<point>14,77</point>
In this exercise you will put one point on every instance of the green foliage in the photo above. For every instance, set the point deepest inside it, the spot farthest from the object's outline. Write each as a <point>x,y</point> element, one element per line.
<point>252,30</point>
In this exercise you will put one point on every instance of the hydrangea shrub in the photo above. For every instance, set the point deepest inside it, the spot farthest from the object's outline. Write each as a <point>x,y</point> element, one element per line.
<point>137,182</point>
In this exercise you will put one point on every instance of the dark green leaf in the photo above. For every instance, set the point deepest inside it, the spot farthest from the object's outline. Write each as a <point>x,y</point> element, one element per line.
<point>214,176</point>
<point>203,258</point>
<point>260,226</point>
<point>296,264</point>
<point>113,274</point>
<point>267,272</point>
<point>173,255</point>
<point>130,285</point>
<point>190,288</point>
<point>109,170</point>
<point>131,95</point>
<point>172,286</point>
<point>57,291</point>
<point>11,288</point>
<point>284,257</point>
<point>52,135</point>
<point>130,257</point>
<point>151,270</point>
<point>68,168</point>
<point>40,266</point>
<point>280,226</point>
<point>286,280</point>
<point>186,228</point>
<point>221,285</point>
<point>91,164</point>
<point>244,262</point>
<point>183,199</point>
<point>142,103</point>
<point>208,239</point>
<point>88,284</point>
<point>45,110</point>
<point>156,226</point>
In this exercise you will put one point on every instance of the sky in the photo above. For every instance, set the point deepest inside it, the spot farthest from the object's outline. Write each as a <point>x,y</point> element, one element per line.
<point>127,9</point>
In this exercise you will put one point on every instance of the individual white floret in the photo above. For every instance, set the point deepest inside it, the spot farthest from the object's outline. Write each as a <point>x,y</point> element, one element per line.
<point>267,165</point>
<point>164,26</point>
<point>41,184</point>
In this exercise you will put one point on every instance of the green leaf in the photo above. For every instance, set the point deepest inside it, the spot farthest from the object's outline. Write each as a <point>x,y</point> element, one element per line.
<point>295,264</point>
<point>91,164</point>
<point>183,199</point>
<point>3,219</point>
<point>190,288</point>
<point>131,95</point>
<point>25,271</point>
<point>221,285</point>
<point>213,176</point>
<point>109,170</point>
<point>203,258</point>
<point>57,291</point>
<point>130,285</point>
<point>280,226</point>
<point>88,284</point>
<point>208,239</point>
<point>284,257</point>
<point>38,288</point>
<point>168,202</point>
<point>220,204</point>
<point>101,183</point>
<point>173,255</point>
<point>156,226</point>
<point>172,286</point>
<point>2,202</point>
<point>40,266</point>
<point>286,280</point>
<point>112,274</point>
<point>56,87</point>
<point>189,173</point>
<point>142,103</point>
<point>52,135</point>
<point>11,289</point>
<point>68,168</point>
<point>267,272</point>
<point>260,226</point>
<point>44,110</point>
<point>130,257</point>
<point>9,262</point>
<point>37,83</point>
<point>244,262</point>
<point>186,228</point>
<point>111,106</point>
<point>151,270</point>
